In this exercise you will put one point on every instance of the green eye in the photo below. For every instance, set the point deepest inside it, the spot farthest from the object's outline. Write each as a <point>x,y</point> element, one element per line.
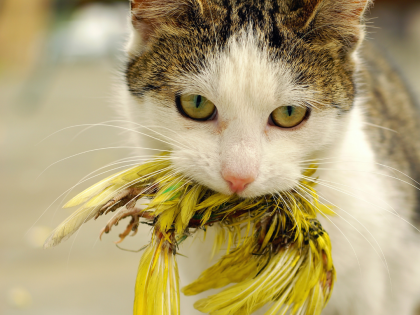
<point>196,107</point>
<point>289,116</point>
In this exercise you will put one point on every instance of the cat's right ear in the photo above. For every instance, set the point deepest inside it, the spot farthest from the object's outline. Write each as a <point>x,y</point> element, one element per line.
<point>150,16</point>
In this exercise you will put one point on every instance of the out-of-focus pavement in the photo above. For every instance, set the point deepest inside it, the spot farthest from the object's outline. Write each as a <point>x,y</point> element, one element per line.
<point>78,94</point>
<point>84,275</point>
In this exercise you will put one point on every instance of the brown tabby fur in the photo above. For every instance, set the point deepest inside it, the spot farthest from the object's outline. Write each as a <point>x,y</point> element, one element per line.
<point>390,105</point>
<point>180,34</point>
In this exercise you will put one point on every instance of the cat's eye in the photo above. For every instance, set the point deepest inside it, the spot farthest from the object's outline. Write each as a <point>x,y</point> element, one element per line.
<point>289,116</point>
<point>196,107</point>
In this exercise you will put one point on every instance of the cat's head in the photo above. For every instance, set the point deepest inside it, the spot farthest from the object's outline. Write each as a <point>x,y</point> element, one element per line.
<point>245,91</point>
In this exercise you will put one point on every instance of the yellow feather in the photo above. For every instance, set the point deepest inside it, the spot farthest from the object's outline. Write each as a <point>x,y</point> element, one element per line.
<point>89,193</point>
<point>188,203</point>
<point>157,284</point>
<point>277,252</point>
<point>70,226</point>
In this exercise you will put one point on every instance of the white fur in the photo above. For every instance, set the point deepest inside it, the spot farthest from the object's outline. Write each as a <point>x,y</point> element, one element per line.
<point>246,87</point>
<point>374,249</point>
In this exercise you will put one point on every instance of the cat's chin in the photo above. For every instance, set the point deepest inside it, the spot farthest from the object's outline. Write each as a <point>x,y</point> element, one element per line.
<point>252,193</point>
<point>244,194</point>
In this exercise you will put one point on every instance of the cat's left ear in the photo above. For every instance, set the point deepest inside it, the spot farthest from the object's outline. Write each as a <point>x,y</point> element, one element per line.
<point>347,20</point>
<point>342,21</point>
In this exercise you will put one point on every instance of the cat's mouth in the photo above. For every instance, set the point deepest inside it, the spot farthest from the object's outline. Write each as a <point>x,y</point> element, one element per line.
<point>256,191</point>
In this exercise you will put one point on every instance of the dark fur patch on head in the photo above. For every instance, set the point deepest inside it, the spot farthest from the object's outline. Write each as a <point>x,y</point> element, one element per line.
<point>314,37</point>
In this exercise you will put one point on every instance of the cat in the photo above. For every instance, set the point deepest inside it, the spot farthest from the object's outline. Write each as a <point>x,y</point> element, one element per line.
<point>247,94</point>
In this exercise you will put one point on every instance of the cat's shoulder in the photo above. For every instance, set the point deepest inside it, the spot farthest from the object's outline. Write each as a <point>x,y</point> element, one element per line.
<point>392,114</point>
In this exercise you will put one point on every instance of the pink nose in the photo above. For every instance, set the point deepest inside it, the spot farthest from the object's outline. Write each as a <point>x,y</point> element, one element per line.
<point>238,184</point>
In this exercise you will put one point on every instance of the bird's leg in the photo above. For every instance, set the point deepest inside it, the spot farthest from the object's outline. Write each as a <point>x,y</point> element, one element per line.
<point>123,212</point>
<point>125,197</point>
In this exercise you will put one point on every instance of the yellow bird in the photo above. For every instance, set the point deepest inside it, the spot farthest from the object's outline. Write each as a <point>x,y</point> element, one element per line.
<point>278,253</point>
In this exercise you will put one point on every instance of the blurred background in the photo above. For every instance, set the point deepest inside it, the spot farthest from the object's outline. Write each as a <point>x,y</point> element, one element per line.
<point>60,63</point>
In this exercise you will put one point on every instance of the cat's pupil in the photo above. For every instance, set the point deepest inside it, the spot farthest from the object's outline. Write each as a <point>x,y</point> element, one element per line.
<point>197,101</point>
<point>290,110</point>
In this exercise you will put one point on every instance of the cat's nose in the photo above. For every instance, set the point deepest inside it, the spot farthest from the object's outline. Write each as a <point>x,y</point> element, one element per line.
<point>238,184</point>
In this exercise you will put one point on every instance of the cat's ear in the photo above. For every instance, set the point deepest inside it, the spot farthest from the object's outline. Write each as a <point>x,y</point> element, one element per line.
<point>340,20</point>
<point>149,15</point>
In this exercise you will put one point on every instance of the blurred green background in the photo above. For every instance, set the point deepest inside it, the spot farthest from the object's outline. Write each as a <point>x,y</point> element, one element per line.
<point>60,65</point>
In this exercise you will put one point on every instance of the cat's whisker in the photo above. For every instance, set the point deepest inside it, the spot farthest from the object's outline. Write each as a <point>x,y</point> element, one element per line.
<point>133,182</point>
<point>139,158</point>
<point>96,150</point>
<point>393,212</point>
<point>368,172</point>
<point>275,198</point>
<point>68,191</point>
<point>338,159</point>
<point>318,99</point>
<point>317,159</point>
<point>63,129</point>
<point>266,201</point>
<point>89,177</point>
<point>288,208</point>
<point>107,124</point>
<point>381,255</point>
<point>326,216</point>
<point>157,158</point>
<point>186,145</point>
<point>88,126</point>
<point>290,198</point>
<point>162,127</point>
<point>101,124</point>
<point>324,183</point>
<point>170,174</point>
<point>126,163</point>
<point>379,164</point>
<point>311,104</point>
<point>380,127</point>
<point>173,173</point>
<point>121,188</point>
<point>145,134</point>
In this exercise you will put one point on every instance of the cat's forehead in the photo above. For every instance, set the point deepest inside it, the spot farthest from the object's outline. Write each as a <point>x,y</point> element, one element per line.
<point>242,51</point>
<point>270,17</point>
<point>244,75</point>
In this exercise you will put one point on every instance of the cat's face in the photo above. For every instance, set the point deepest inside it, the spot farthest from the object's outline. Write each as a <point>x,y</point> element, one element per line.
<point>241,95</point>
